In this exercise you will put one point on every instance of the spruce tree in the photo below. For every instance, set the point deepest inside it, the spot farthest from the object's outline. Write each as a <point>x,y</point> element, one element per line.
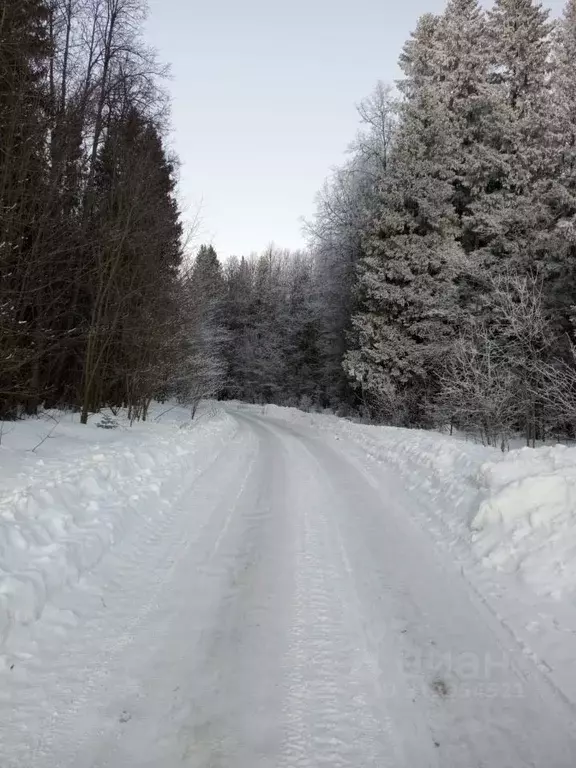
<point>511,216</point>
<point>461,54</point>
<point>406,296</point>
<point>560,193</point>
<point>207,273</point>
<point>24,52</point>
<point>137,256</point>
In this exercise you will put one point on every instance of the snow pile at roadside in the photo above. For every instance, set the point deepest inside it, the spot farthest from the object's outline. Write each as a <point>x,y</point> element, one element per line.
<point>64,506</point>
<point>527,520</point>
<point>513,512</point>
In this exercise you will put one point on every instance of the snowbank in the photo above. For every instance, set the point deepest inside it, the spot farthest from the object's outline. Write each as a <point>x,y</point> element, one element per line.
<point>63,506</point>
<point>513,512</point>
<point>527,521</point>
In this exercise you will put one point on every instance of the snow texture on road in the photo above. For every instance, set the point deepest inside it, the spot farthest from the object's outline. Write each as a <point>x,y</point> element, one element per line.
<point>285,609</point>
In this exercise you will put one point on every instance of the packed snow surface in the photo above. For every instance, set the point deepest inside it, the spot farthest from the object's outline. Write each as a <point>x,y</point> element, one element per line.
<point>265,587</point>
<point>517,509</point>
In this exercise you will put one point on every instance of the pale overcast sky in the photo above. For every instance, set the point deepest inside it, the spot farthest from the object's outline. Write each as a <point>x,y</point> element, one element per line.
<point>264,96</point>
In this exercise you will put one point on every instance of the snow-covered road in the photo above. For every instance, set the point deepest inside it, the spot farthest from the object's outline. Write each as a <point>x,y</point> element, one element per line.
<point>287,611</point>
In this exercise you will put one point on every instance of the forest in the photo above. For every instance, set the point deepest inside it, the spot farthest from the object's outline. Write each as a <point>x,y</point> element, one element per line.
<point>438,287</point>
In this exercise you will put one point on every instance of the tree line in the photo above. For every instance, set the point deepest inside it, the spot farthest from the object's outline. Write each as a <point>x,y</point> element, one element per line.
<point>465,279</point>
<point>438,288</point>
<point>440,282</point>
<point>90,234</point>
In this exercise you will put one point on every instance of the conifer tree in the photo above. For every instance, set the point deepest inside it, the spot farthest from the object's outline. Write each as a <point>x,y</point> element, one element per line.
<point>512,215</point>
<point>559,238</point>
<point>406,294</point>
<point>24,52</point>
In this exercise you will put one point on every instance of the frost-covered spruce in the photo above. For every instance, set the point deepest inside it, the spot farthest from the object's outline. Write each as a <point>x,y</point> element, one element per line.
<point>560,195</point>
<point>407,303</point>
<point>512,214</point>
<point>462,62</point>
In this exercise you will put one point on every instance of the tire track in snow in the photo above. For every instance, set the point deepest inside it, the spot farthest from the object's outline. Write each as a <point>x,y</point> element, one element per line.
<point>331,717</point>
<point>172,638</point>
<point>279,631</point>
<point>422,622</point>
